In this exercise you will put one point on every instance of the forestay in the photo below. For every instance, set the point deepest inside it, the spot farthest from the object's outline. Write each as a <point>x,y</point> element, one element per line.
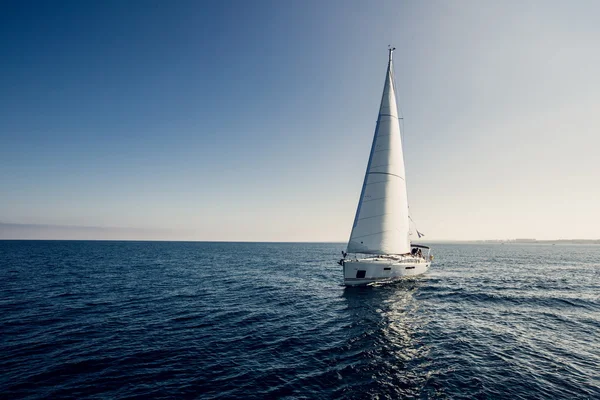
<point>381,223</point>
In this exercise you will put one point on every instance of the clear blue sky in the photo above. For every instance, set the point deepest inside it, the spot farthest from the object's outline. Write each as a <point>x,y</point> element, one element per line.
<point>253,120</point>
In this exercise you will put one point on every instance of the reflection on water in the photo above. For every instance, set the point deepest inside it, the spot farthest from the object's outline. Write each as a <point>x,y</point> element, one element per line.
<point>387,326</point>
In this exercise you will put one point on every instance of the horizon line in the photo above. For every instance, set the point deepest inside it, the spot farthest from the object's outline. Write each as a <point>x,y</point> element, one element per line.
<point>71,230</point>
<point>440,241</point>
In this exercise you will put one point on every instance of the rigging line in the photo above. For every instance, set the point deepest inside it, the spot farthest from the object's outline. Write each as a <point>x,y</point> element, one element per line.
<point>398,108</point>
<point>413,221</point>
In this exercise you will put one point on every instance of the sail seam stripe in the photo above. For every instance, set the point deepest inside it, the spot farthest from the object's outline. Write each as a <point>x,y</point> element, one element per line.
<point>374,183</point>
<point>374,216</point>
<point>370,234</point>
<point>388,115</point>
<point>381,165</point>
<point>379,198</point>
<point>386,173</point>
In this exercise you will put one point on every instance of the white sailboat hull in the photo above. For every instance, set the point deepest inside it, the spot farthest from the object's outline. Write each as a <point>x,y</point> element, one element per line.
<point>382,269</point>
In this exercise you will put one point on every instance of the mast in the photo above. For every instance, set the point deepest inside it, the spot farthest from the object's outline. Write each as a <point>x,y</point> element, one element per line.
<point>381,224</point>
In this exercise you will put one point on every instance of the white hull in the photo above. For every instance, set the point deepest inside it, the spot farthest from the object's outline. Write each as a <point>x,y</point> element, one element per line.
<point>386,268</point>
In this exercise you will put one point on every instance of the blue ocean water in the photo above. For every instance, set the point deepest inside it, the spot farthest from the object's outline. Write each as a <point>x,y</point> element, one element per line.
<point>262,320</point>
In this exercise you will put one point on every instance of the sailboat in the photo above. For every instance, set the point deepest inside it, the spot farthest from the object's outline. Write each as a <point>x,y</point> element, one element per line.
<point>380,238</point>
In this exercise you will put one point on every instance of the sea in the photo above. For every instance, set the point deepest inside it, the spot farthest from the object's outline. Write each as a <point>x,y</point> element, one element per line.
<point>207,320</point>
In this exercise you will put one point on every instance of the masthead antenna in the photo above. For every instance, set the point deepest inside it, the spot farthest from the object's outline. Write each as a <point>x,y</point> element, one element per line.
<point>391,50</point>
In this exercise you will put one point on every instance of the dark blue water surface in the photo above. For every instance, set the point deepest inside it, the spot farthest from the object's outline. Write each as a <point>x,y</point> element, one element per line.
<point>250,320</point>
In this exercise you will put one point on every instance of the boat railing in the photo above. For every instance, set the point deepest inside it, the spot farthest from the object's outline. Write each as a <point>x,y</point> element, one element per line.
<point>402,257</point>
<point>417,249</point>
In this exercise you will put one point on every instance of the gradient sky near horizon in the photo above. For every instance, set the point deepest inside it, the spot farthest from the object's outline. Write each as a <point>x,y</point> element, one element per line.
<point>253,121</point>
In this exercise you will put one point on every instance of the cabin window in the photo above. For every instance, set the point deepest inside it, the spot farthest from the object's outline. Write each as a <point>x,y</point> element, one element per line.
<point>409,268</point>
<point>360,274</point>
<point>387,268</point>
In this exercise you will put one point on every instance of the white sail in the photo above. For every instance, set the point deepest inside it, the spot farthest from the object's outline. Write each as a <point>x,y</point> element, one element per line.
<point>381,223</point>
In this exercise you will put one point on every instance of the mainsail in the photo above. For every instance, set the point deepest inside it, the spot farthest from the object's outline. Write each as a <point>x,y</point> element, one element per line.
<point>381,223</point>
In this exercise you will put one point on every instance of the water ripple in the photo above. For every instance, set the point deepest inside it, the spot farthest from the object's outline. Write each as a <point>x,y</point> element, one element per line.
<point>254,321</point>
